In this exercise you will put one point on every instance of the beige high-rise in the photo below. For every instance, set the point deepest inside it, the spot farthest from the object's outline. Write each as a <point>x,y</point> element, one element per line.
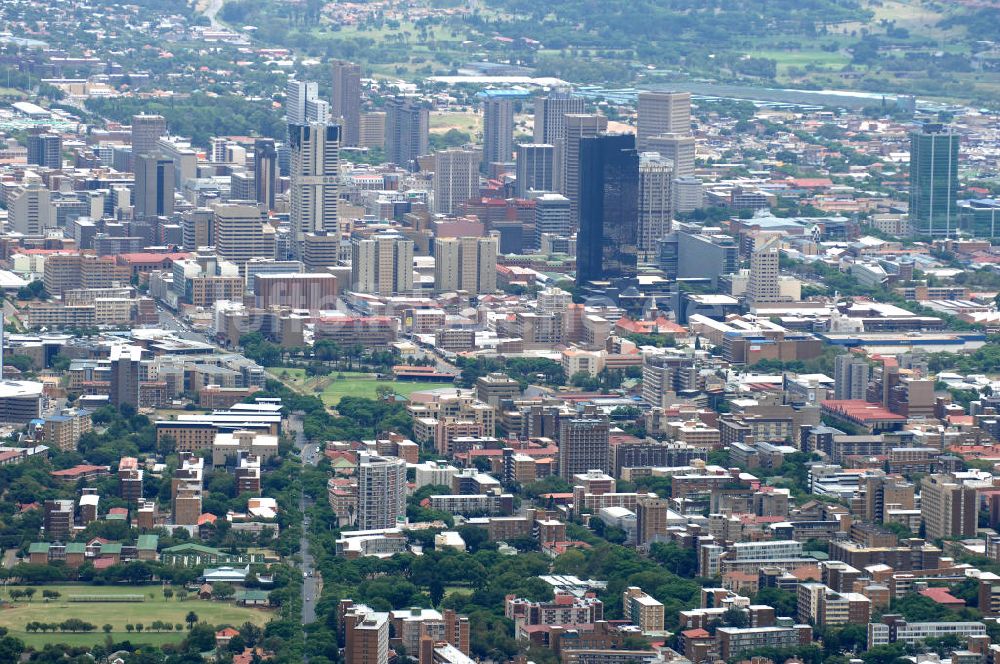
<point>466,264</point>
<point>662,113</point>
<point>382,265</point>
<point>241,234</point>
<point>456,179</point>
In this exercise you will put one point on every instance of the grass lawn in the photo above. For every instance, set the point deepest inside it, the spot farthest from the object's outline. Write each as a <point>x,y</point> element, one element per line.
<point>39,640</point>
<point>331,389</point>
<point>442,121</point>
<point>801,59</point>
<point>20,613</point>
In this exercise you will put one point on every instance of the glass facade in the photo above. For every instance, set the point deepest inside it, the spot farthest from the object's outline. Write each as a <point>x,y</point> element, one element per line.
<point>609,209</point>
<point>933,182</point>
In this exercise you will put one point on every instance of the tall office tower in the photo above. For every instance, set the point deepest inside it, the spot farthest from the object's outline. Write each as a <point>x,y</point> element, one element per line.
<point>407,127</point>
<point>550,115</point>
<point>656,176</point>
<point>265,171</point>
<point>197,228</point>
<point>146,131</point>
<point>372,132</point>
<point>609,208</point>
<point>678,148</point>
<point>578,127</point>
<point>29,207</point>
<point>381,491</point>
<point>947,507</point>
<point>466,264</point>
<point>851,375</point>
<point>456,178</point>
<point>45,149</point>
<point>550,128</point>
<point>297,93</point>
<point>345,100</point>
<point>662,113</point>
<point>241,234</point>
<point>315,180</point>
<point>125,362</point>
<point>552,216</point>
<point>317,111</point>
<point>154,186</point>
<point>535,166</point>
<point>583,444</point>
<point>498,127</point>
<point>933,181</point>
<point>382,265</point>
<point>762,286</point>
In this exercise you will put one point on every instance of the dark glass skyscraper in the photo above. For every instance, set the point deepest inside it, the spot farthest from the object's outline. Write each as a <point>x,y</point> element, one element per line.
<point>265,171</point>
<point>609,208</point>
<point>933,182</point>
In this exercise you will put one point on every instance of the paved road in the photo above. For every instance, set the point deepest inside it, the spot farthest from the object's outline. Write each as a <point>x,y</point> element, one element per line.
<point>170,321</point>
<point>311,582</point>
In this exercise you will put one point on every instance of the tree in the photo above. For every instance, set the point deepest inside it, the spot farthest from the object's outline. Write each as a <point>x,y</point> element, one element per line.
<point>138,627</point>
<point>168,593</point>
<point>29,593</point>
<point>201,638</point>
<point>223,591</point>
<point>734,617</point>
<point>129,627</point>
<point>107,628</point>
<point>191,618</point>
<point>51,594</point>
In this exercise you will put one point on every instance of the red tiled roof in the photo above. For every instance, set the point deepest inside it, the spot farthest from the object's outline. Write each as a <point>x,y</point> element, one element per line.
<point>942,596</point>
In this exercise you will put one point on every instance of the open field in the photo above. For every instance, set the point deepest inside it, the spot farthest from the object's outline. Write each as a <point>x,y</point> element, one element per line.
<point>442,121</point>
<point>802,59</point>
<point>156,607</point>
<point>331,389</point>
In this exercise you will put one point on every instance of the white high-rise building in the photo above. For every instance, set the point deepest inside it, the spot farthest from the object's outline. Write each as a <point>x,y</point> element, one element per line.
<point>456,179</point>
<point>381,491</point>
<point>656,176</point>
<point>317,111</point>
<point>315,160</point>
<point>29,208</point>
<point>382,265</point>
<point>552,215</point>
<point>662,113</point>
<point>763,287</point>
<point>297,94</point>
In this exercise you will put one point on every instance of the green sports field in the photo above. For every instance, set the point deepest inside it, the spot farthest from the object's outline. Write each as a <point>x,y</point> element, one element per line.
<point>15,615</point>
<point>331,388</point>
